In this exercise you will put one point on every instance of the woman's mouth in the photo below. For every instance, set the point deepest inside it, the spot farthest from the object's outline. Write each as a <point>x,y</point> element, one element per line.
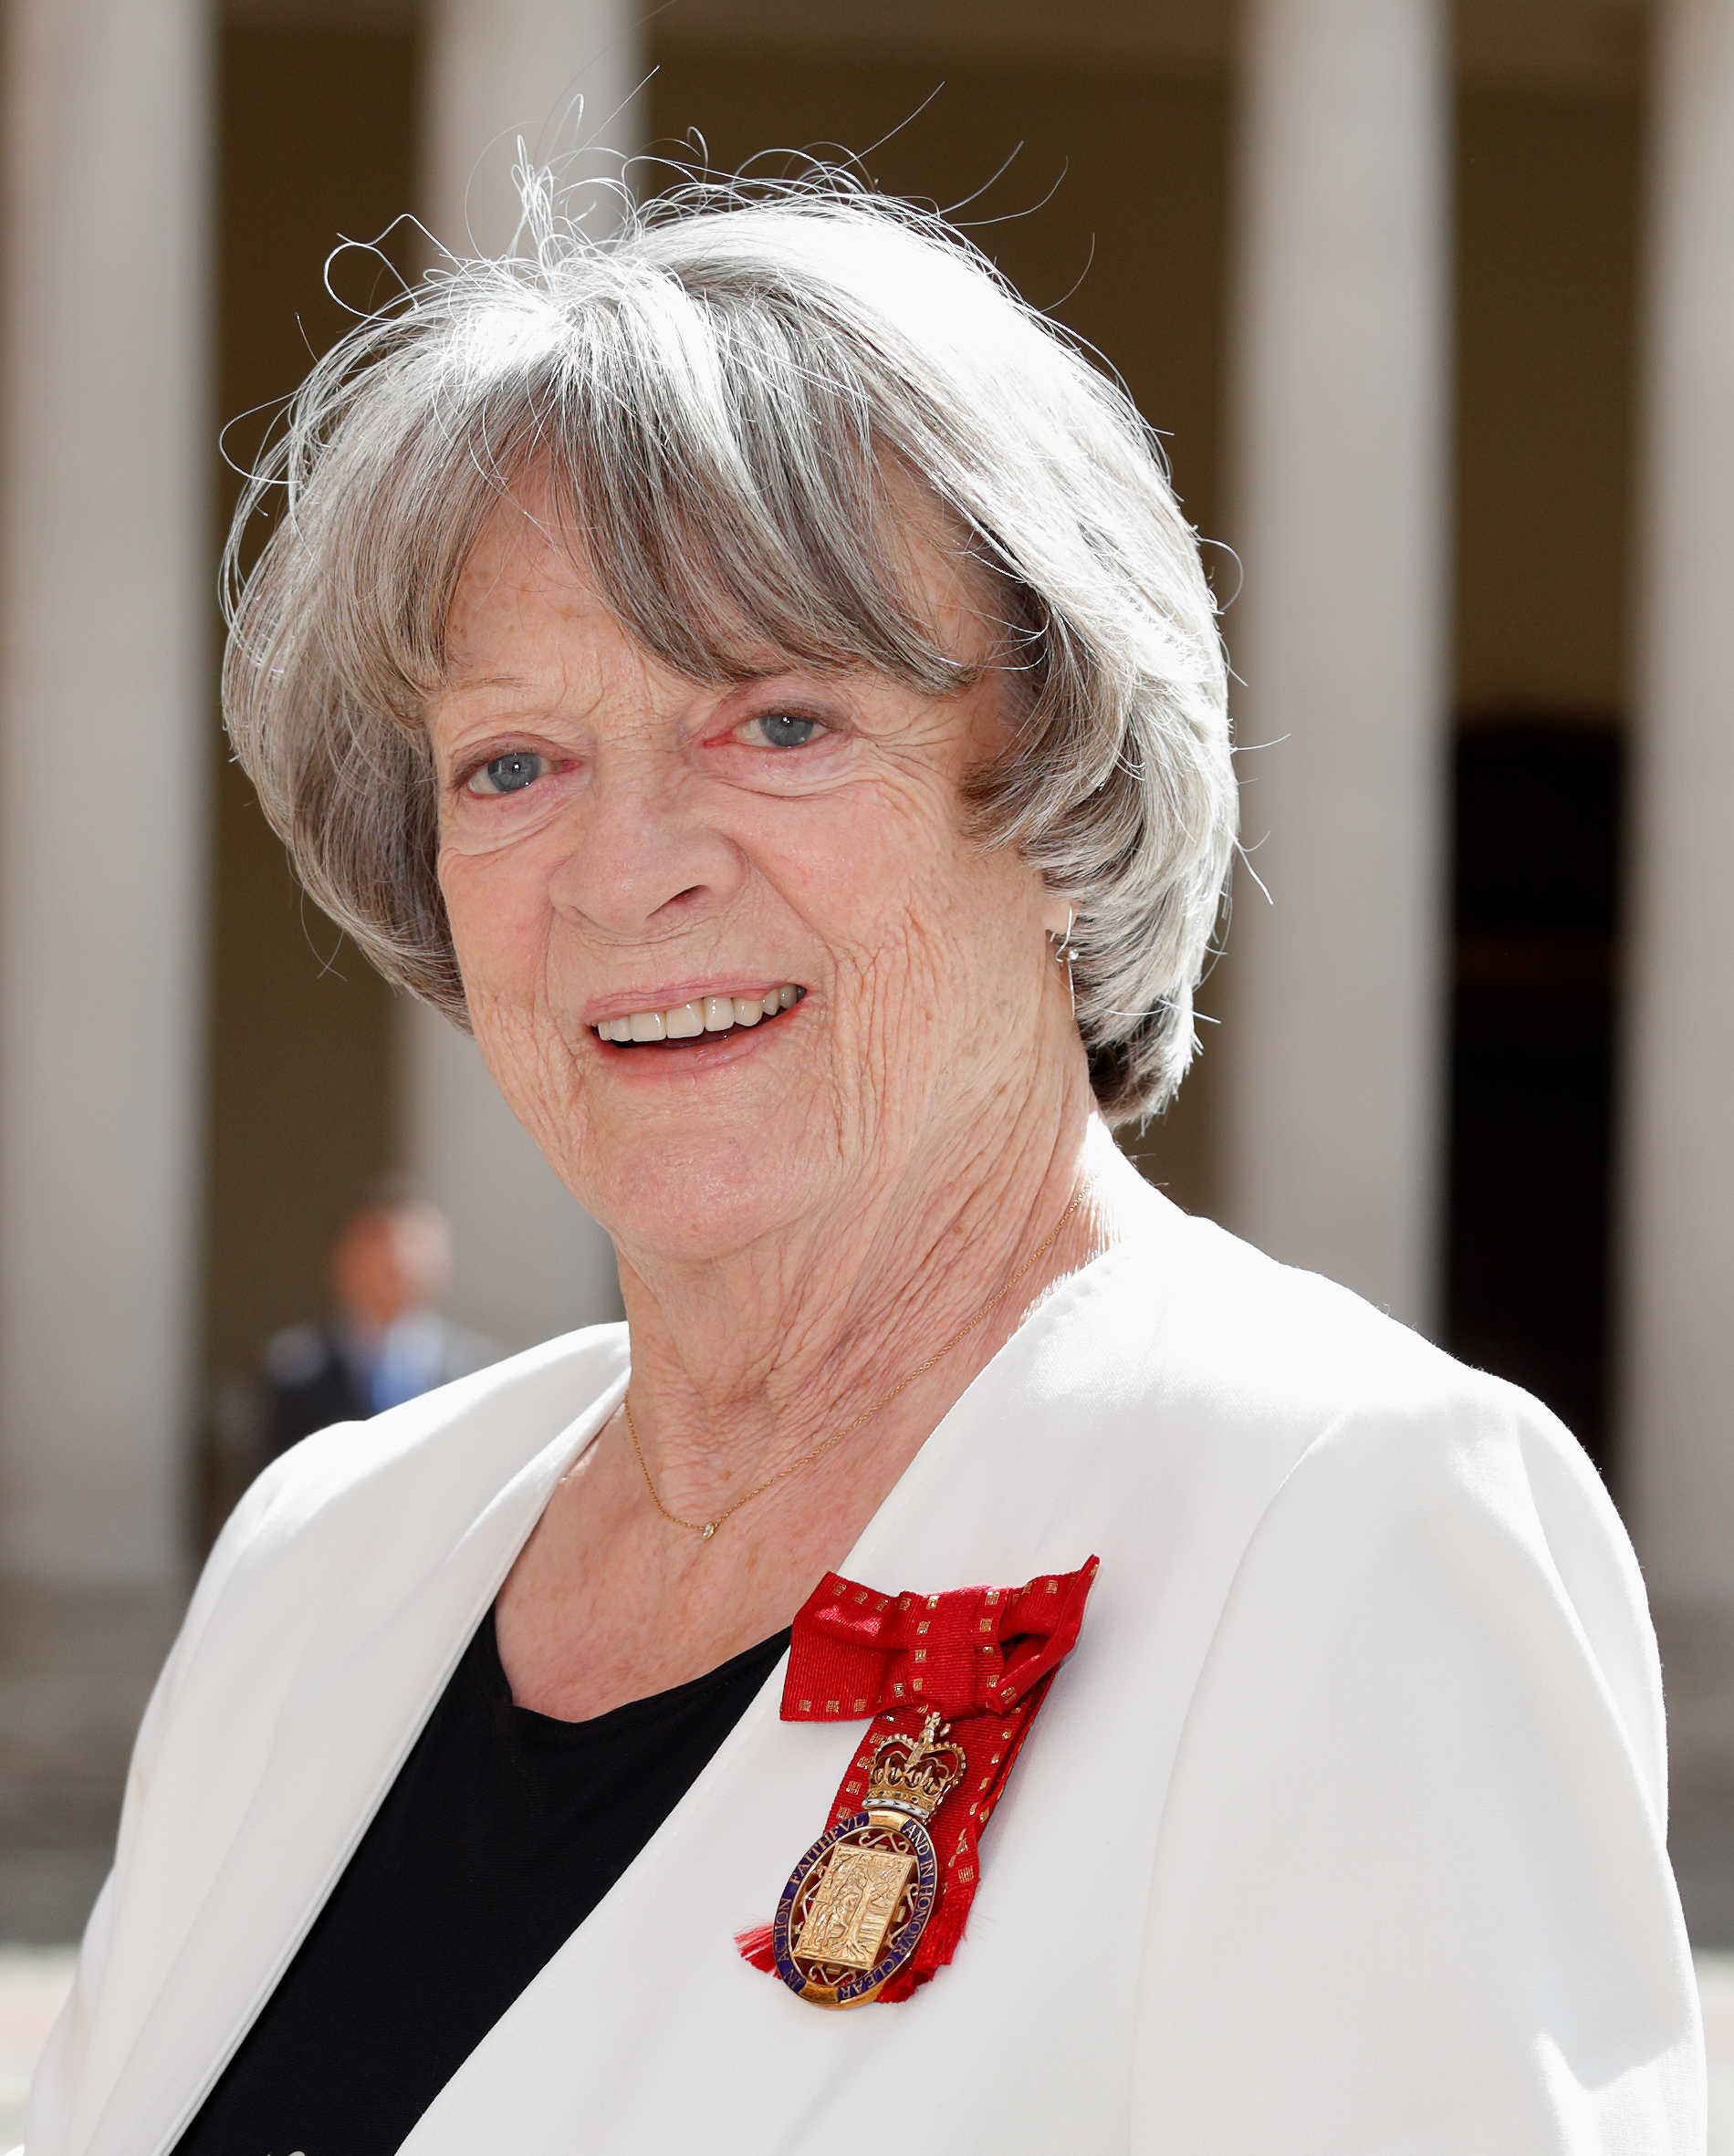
<point>711,1016</point>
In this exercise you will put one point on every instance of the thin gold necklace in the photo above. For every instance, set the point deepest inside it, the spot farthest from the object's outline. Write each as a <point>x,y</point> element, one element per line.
<point>704,1529</point>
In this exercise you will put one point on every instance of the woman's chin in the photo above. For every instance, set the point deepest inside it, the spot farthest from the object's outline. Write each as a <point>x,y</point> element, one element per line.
<point>647,1241</point>
<point>693,1196</point>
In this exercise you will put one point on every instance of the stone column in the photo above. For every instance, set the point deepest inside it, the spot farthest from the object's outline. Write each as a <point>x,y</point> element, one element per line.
<point>1677,1229</point>
<point>566,76</point>
<point>107,594</point>
<point>1332,1044</point>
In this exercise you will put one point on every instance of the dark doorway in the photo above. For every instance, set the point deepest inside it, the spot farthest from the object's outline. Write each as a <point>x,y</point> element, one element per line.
<point>1536,918</point>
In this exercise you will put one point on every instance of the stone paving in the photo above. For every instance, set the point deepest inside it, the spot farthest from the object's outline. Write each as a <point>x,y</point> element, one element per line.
<point>33,1981</point>
<point>76,1670</point>
<point>1715,1988</point>
<point>1697,1675</point>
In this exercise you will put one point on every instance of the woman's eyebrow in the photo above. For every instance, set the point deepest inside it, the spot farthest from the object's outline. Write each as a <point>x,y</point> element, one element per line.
<point>484,683</point>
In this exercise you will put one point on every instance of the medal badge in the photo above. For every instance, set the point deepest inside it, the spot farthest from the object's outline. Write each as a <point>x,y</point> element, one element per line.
<point>953,1683</point>
<point>857,1903</point>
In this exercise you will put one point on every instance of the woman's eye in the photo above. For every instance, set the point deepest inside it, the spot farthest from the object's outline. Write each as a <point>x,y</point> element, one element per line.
<point>508,774</point>
<point>780,729</point>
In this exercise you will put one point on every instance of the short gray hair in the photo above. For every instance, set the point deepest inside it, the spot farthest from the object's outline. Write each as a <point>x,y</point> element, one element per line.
<point>718,395</point>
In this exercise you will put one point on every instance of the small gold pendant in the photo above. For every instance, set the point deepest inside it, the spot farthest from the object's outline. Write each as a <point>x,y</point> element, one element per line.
<point>857,1903</point>
<point>710,1529</point>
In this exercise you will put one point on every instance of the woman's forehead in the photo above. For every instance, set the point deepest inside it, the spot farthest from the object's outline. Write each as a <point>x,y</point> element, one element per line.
<point>531,574</point>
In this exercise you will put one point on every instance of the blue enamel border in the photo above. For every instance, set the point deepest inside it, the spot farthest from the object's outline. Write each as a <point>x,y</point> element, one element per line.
<point>854,1988</point>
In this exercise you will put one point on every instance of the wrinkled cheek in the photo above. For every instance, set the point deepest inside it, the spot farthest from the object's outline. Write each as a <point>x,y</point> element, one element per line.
<point>511,1045</point>
<point>899,1006</point>
<point>952,1001</point>
<point>501,946</point>
<point>497,931</point>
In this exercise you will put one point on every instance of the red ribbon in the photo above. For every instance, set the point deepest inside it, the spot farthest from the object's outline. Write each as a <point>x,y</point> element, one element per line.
<point>982,1657</point>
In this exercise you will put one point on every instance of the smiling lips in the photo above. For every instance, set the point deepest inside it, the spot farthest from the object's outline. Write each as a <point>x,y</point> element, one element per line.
<point>710,1014</point>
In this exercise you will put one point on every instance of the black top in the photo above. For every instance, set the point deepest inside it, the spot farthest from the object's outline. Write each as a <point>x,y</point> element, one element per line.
<point>502,1832</point>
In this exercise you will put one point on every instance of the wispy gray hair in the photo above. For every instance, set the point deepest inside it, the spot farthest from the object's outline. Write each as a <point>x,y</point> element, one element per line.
<point>718,395</point>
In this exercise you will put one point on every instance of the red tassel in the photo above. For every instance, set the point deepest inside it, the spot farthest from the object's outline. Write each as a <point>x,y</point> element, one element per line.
<point>756,1947</point>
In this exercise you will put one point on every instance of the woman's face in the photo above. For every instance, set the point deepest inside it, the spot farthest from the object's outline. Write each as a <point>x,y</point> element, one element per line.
<point>621,843</point>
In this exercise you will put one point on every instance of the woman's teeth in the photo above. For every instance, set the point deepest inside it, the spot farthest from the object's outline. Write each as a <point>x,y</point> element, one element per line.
<point>711,1014</point>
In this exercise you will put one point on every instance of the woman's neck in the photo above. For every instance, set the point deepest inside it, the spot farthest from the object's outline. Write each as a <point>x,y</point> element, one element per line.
<point>609,1600</point>
<point>742,1367</point>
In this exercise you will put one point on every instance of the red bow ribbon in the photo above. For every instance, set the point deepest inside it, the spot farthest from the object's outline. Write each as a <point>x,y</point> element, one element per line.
<point>981,1657</point>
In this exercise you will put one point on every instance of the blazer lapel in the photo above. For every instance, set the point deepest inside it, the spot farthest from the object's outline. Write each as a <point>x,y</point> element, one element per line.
<point>647,2030</point>
<point>298,1791</point>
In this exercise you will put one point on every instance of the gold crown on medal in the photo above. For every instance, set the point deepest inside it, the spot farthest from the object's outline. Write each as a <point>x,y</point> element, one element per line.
<point>914,1773</point>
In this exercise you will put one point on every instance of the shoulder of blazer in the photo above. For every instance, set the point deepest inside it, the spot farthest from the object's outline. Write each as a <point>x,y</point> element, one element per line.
<point>1246,1340</point>
<point>400,1489</point>
<point>353,1520</point>
<point>320,1632</point>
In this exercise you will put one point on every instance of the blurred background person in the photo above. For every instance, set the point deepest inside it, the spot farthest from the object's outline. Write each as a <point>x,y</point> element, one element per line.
<point>385,1341</point>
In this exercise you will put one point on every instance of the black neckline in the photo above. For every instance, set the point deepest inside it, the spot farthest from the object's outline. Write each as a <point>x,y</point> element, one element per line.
<point>631,1714</point>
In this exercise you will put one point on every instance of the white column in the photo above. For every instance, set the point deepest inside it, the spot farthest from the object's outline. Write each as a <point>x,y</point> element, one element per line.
<point>1678,1239</point>
<point>1332,1042</point>
<point>106,601</point>
<point>566,76</point>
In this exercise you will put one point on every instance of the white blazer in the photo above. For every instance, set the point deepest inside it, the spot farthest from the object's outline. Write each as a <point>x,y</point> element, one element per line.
<point>1342,1830</point>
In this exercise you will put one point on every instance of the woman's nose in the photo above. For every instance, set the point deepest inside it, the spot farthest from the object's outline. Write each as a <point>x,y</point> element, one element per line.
<point>643,858</point>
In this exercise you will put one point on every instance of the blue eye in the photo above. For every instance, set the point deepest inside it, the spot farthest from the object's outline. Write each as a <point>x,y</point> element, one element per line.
<point>782,729</point>
<point>508,775</point>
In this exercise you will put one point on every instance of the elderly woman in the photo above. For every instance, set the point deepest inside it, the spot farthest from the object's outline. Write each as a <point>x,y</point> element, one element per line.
<point>755,676</point>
